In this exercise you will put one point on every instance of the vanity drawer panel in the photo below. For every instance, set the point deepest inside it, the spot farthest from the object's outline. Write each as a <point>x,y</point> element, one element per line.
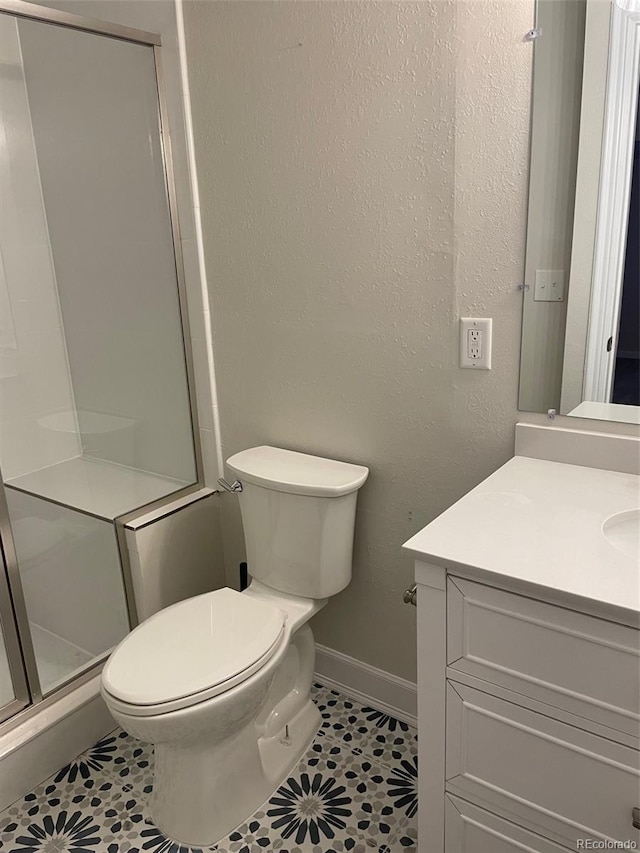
<point>587,666</point>
<point>469,829</point>
<point>559,781</point>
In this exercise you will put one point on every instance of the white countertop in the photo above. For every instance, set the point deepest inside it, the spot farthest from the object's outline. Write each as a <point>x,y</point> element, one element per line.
<point>539,522</point>
<point>607,412</point>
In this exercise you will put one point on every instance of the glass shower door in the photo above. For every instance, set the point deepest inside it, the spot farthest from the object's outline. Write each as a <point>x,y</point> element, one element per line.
<point>96,419</point>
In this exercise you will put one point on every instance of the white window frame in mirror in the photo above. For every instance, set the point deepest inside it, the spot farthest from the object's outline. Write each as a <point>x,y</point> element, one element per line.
<point>623,77</point>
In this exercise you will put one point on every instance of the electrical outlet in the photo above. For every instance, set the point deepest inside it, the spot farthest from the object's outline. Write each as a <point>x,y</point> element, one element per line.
<point>475,342</point>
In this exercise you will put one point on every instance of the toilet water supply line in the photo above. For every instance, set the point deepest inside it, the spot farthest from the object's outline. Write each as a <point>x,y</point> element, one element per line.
<point>236,486</point>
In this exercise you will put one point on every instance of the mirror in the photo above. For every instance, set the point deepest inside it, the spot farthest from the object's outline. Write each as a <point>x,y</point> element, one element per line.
<point>580,351</point>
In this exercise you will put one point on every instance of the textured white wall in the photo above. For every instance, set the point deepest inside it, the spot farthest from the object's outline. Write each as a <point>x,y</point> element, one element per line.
<point>363,179</point>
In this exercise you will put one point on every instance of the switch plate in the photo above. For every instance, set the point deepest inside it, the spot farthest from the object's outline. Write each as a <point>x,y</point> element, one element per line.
<point>475,342</point>
<point>549,286</point>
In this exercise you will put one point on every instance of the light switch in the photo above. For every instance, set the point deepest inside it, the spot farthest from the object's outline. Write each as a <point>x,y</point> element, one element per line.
<point>549,286</point>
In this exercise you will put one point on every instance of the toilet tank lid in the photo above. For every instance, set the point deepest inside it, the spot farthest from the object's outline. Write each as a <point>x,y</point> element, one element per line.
<point>297,473</point>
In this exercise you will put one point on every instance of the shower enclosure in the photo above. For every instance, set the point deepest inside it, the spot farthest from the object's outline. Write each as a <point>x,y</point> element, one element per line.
<point>96,417</point>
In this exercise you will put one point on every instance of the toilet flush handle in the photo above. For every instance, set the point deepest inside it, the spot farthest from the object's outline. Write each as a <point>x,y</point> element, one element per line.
<point>410,595</point>
<point>236,486</point>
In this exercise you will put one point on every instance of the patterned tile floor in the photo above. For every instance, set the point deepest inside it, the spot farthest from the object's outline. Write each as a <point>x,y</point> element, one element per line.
<point>354,790</point>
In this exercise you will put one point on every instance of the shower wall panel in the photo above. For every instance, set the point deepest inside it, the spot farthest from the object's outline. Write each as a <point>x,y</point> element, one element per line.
<point>177,555</point>
<point>72,584</point>
<point>34,375</point>
<point>95,117</point>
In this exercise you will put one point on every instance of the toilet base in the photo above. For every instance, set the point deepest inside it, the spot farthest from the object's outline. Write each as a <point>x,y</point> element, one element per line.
<point>279,752</point>
<point>199,797</point>
<point>217,761</point>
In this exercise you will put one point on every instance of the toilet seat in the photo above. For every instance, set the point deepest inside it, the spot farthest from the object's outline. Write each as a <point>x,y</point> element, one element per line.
<point>192,651</point>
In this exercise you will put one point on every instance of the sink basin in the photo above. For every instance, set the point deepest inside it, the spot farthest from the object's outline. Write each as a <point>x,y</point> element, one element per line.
<point>622,530</point>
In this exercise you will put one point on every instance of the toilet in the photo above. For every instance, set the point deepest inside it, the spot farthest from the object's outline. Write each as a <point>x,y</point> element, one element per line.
<point>220,683</point>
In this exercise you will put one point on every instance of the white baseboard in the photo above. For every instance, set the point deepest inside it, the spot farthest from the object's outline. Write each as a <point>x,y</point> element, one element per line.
<point>367,684</point>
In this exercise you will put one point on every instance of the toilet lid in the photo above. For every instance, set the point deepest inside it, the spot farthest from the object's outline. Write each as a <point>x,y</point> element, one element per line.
<point>192,647</point>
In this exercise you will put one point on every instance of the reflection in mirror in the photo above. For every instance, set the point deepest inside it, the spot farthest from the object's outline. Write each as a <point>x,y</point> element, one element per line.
<point>580,339</point>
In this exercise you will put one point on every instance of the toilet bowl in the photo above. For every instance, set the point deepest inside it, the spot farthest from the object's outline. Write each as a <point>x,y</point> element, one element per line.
<point>228,689</point>
<point>220,683</point>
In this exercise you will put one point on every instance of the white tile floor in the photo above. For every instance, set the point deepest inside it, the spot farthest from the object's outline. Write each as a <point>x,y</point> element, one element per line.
<point>354,790</point>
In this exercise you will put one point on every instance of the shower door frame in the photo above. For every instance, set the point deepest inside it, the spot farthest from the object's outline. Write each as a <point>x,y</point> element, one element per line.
<point>9,620</point>
<point>13,614</point>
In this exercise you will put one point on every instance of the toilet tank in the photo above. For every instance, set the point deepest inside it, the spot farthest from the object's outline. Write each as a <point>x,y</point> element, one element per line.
<point>298,514</point>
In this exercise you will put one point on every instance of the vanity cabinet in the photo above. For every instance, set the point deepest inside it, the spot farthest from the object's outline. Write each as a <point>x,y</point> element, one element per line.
<point>469,829</point>
<point>528,718</point>
<point>566,659</point>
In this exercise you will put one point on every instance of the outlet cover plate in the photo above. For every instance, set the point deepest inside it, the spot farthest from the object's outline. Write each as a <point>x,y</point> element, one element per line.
<point>475,343</point>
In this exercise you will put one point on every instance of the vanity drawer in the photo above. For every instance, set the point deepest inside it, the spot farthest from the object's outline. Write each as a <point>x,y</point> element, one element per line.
<point>587,666</point>
<point>469,829</point>
<point>556,780</point>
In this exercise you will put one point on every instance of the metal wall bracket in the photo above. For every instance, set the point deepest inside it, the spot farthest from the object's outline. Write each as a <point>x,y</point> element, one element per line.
<point>533,34</point>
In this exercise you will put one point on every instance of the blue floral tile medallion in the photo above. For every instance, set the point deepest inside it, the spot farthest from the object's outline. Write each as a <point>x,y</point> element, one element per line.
<point>152,839</point>
<point>384,722</point>
<point>64,832</point>
<point>310,809</point>
<point>94,759</point>
<point>403,787</point>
